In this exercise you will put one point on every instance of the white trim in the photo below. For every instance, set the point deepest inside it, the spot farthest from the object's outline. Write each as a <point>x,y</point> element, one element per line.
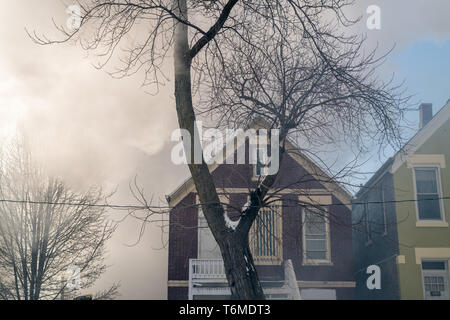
<point>326,284</point>
<point>401,259</point>
<point>301,192</point>
<point>421,137</point>
<point>431,224</point>
<point>424,159</point>
<point>431,253</point>
<point>316,200</point>
<point>178,283</point>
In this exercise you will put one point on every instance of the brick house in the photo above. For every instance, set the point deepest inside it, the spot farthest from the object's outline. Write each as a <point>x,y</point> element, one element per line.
<point>297,251</point>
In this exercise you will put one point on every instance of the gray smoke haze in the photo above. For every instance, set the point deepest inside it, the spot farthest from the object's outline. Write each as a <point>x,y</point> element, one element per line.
<point>91,129</point>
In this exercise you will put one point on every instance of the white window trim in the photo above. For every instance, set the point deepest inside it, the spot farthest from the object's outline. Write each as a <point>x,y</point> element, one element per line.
<point>316,262</point>
<point>429,223</point>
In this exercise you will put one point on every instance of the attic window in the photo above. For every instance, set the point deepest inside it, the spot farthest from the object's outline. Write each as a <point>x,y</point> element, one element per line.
<point>261,162</point>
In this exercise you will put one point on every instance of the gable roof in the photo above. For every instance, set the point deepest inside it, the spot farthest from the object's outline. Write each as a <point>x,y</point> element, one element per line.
<point>307,163</point>
<point>419,139</point>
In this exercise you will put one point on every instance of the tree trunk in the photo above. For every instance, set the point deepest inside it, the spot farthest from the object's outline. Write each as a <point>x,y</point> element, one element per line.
<point>238,261</point>
<point>240,268</point>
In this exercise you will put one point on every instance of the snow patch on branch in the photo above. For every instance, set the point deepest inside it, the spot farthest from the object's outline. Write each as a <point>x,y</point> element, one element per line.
<point>230,223</point>
<point>246,206</point>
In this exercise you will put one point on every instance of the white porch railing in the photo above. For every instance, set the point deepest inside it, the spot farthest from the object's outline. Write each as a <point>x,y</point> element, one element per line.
<point>207,277</point>
<point>204,269</point>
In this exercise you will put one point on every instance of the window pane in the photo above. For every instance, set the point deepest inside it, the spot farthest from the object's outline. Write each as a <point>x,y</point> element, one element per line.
<point>316,245</point>
<point>429,209</point>
<point>315,224</point>
<point>316,255</point>
<point>433,265</point>
<point>315,237</point>
<point>264,234</point>
<point>426,180</point>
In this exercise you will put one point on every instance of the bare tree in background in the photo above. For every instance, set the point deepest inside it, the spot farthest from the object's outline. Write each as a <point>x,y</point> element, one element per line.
<point>280,60</point>
<point>48,235</point>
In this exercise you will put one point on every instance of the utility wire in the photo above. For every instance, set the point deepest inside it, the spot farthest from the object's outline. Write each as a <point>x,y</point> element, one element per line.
<point>141,207</point>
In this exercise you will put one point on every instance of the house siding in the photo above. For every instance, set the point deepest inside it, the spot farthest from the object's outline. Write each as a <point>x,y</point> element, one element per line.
<point>183,240</point>
<point>382,249</point>
<point>410,236</point>
<point>401,278</point>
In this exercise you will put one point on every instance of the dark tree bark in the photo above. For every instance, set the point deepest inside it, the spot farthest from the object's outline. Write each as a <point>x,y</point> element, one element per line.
<point>238,261</point>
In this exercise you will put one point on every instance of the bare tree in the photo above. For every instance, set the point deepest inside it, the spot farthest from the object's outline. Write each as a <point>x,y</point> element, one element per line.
<point>280,60</point>
<point>48,232</point>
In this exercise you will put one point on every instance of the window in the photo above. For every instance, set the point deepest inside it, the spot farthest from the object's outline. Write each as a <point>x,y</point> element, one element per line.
<point>315,236</point>
<point>427,193</point>
<point>207,245</point>
<point>435,280</point>
<point>265,236</point>
<point>261,160</point>
<point>383,209</point>
<point>367,222</point>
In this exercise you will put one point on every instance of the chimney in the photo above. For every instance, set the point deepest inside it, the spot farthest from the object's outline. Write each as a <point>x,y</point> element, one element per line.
<point>425,114</point>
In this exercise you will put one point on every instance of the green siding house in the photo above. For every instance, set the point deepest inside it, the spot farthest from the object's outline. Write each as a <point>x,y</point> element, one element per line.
<point>401,217</point>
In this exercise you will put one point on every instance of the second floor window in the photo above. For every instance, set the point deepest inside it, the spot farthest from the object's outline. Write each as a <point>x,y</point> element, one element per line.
<point>265,236</point>
<point>261,158</point>
<point>315,236</point>
<point>427,193</point>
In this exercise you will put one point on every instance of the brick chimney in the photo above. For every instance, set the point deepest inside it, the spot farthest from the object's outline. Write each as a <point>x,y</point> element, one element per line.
<point>425,114</point>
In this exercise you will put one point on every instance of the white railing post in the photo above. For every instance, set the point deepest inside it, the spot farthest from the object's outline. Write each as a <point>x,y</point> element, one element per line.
<point>190,295</point>
<point>207,269</point>
<point>291,279</point>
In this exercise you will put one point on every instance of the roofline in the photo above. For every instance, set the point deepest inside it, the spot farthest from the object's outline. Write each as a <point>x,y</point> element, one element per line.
<point>397,160</point>
<point>440,118</point>
<point>334,187</point>
<point>375,178</point>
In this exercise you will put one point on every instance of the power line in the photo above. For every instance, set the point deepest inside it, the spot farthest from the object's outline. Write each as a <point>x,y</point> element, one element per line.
<point>147,207</point>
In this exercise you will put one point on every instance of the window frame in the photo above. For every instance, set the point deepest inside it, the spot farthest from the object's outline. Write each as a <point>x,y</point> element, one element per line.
<point>315,262</point>
<point>445,272</point>
<point>255,166</point>
<point>383,209</point>
<point>275,259</point>
<point>437,170</point>
<point>367,229</point>
<point>223,199</point>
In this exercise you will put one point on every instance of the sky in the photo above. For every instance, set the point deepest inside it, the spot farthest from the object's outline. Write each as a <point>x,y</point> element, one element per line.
<point>91,129</point>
